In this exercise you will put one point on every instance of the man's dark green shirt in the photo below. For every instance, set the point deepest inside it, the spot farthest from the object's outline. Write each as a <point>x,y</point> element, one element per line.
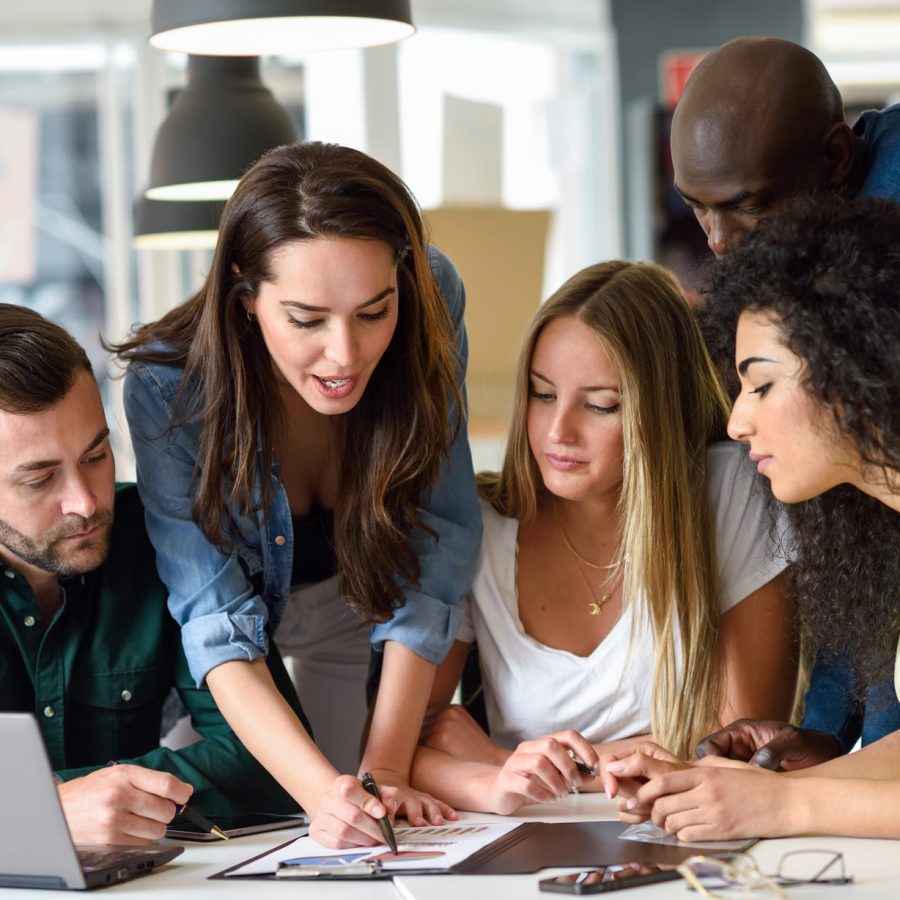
<point>97,676</point>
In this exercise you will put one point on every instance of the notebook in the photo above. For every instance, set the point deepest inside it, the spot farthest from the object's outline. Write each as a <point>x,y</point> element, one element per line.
<point>37,850</point>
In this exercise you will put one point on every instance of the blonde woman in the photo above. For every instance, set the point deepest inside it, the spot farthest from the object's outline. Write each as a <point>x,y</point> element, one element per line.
<point>624,586</point>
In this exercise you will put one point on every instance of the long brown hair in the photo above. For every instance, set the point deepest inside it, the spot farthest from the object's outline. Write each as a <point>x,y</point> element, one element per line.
<point>391,445</point>
<point>673,407</point>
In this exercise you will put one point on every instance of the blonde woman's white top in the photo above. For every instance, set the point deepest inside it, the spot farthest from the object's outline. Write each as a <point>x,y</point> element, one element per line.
<point>531,689</point>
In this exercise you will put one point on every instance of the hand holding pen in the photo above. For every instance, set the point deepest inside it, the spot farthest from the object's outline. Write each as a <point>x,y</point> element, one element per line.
<point>384,823</point>
<point>121,804</point>
<point>346,814</point>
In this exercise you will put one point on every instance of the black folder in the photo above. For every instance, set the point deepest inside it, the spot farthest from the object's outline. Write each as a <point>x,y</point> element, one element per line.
<point>531,847</point>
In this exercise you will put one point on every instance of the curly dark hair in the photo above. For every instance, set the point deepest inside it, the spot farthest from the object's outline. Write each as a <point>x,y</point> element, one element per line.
<point>829,272</point>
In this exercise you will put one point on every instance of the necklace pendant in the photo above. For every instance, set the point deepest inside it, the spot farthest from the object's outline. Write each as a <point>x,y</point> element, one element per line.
<point>596,606</point>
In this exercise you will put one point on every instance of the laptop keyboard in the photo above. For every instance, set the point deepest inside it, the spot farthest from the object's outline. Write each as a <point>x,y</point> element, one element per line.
<point>92,860</point>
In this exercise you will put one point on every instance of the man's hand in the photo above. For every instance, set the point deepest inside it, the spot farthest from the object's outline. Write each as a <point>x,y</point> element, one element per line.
<point>121,804</point>
<point>454,732</point>
<point>770,745</point>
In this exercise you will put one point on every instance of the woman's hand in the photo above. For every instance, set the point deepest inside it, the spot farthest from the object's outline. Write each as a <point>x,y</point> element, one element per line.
<point>717,802</point>
<point>347,814</point>
<point>623,776</point>
<point>417,807</point>
<point>454,732</point>
<point>541,770</point>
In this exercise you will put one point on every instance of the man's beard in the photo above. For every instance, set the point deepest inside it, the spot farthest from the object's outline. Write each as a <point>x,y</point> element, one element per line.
<point>56,553</point>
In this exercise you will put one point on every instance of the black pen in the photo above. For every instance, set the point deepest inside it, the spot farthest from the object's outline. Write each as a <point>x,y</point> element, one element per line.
<point>201,821</point>
<point>384,823</point>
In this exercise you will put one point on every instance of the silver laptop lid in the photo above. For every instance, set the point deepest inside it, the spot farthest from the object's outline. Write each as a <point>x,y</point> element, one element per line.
<point>36,844</point>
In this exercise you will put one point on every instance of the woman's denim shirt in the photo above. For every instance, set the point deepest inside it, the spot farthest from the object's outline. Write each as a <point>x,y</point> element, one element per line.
<point>226,604</point>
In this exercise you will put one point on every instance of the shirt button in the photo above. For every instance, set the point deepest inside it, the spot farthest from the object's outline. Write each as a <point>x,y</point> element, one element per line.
<point>49,712</point>
<point>29,621</point>
<point>126,695</point>
<point>281,540</point>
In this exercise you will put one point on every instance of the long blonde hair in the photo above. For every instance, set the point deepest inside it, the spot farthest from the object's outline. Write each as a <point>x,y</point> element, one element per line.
<point>673,406</point>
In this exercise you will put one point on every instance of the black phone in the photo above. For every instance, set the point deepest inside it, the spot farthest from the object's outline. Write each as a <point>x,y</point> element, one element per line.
<point>609,878</point>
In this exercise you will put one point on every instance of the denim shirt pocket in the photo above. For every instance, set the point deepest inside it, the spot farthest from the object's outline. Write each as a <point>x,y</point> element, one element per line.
<point>115,715</point>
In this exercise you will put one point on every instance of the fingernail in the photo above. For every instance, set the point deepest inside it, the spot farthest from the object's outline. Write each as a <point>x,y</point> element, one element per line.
<point>632,803</point>
<point>617,767</point>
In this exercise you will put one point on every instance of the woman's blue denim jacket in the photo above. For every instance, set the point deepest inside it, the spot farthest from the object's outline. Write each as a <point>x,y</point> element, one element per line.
<point>225,604</point>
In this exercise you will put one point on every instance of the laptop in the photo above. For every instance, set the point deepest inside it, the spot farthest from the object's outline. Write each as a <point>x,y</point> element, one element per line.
<point>37,850</point>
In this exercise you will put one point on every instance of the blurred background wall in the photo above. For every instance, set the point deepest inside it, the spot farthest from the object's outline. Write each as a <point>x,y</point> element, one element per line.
<point>534,134</point>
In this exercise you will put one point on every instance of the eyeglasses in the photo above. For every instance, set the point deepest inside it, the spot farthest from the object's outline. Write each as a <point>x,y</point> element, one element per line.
<point>706,874</point>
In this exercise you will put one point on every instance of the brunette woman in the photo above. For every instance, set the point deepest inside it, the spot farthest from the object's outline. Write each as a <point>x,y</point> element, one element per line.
<point>300,419</point>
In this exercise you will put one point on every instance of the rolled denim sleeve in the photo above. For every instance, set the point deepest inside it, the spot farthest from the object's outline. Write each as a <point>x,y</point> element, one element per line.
<point>428,621</point>
<point>833,705</point>
<point>221,616</point>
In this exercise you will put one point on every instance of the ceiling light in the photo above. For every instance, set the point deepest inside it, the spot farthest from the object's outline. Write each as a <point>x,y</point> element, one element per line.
<point>217,127</point>
<point>260,27</point>
<point>191,225</point>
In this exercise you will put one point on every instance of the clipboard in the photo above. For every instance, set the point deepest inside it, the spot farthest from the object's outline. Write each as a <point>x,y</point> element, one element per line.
<point>526,849</point>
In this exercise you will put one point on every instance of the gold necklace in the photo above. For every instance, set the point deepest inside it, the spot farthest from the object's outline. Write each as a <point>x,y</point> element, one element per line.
<point>595,607</point>
<point>572,550</point>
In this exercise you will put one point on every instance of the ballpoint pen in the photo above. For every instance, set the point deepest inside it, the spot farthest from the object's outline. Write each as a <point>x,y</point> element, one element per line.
<point>582,766</point>
<point>201,821</point>
<point>384,823</point>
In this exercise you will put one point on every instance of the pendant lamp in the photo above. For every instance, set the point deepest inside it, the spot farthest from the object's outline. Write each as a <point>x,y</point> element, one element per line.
<point>217,127</point>
<point>260,27</point>
<point>176,225</point>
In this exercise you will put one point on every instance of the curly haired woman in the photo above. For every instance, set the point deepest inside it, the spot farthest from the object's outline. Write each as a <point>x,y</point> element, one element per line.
<point>811,306</point>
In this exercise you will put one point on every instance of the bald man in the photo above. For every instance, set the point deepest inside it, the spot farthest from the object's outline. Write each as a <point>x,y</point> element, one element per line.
<point>760,120</point>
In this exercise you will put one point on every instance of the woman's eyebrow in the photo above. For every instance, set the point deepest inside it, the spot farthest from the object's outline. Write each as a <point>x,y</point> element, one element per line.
<point>586,389</point>
<point>745,364</point>
<point>307,308</point>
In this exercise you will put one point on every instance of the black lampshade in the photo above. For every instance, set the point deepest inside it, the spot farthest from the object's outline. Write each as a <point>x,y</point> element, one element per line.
<point>218,126</point>
<point>176,225</point>
<point>260,27</point>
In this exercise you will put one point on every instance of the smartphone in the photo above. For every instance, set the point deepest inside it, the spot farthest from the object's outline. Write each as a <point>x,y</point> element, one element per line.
<point>235,826</point>
<point>609,878</point>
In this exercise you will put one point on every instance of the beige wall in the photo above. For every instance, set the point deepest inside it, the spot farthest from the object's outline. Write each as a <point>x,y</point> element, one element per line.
<point>500,255</point>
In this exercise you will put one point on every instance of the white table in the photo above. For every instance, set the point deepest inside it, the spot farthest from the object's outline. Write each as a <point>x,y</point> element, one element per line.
<point>874,864</point>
